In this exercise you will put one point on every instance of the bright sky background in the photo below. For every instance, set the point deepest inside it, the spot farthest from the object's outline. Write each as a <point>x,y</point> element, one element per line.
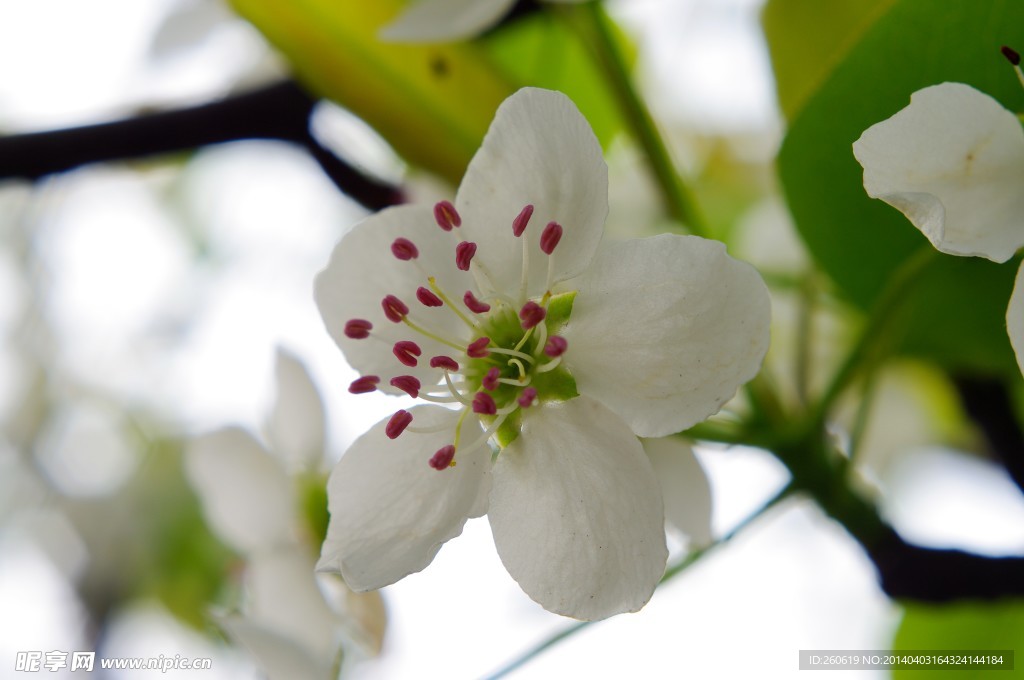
<point>124,280</point>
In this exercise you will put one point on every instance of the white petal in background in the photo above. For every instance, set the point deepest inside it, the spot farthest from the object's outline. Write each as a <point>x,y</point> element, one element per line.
<point>245,492</point>
<point>538,151</point>
<point>390,511</point>
<point>953,163</point>
<point>664,330</point>
<point>444,20</point>
<point>684,487</point>
<point>576,512</point>
<point>296,424</point>
<point>280,657</point>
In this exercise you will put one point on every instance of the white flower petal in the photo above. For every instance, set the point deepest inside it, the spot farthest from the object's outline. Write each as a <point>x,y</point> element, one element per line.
<point>576,512</point>
<point>362,271</point>
<point>296,424</point>
<point>284,596</point>
<point>539,151</point>
<point>280,657</point>
<point>390,511</point>
<point>953,163</point>
<point>665,329</point>
<point>444,20</point>
<point>1015,318</point>
<point>684,487</point>
<point>245,492</point>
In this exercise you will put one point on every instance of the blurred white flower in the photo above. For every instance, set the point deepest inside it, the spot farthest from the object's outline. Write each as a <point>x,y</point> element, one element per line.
<point>953,163</point>
<point>561,352</point>
<point>445,20</point>
<point>259,502</point>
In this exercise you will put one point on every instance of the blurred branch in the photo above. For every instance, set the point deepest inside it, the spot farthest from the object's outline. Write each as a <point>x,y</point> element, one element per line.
<point>279,111</point>
<point>988,403</point>
<point>905,571</point>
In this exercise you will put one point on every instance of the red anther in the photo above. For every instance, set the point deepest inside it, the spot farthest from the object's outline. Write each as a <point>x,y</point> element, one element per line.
<point>398,423</point>
<point>1011,55</point>
<point>447,363</point>
<point>404,249</point>
<point>428,298</point>
<point>363,384</point>
<point>478,348</point>
<point>527,396</point>
<point>532,314</point>
<point>556,346</point>
<point>407,351</point>
<point>483,404</point>
<point>408,384</point>
<point>443,458</point>
<point>490,381</point>
<point>520,222</point>
<point>475,305</point>
<point>357,329</point>
<point>394,308</point>
<point>447,216</point>
<point>464,253</point>
<point>550,237</point>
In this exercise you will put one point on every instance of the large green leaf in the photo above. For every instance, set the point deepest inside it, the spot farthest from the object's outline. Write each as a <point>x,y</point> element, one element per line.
<point>433,103</point>
<point>808,38</point>
<point>963,626</point>
<point>957,308</point>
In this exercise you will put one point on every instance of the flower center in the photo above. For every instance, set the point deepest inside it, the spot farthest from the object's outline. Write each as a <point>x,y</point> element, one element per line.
<point>511,360</point>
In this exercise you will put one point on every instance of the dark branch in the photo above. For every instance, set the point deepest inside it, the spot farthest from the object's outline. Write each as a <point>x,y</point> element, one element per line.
<point>280,111</point>
<point>988,403</point>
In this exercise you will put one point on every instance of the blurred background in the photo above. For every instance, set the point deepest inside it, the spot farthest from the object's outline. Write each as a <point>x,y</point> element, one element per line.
<point>143,305</point>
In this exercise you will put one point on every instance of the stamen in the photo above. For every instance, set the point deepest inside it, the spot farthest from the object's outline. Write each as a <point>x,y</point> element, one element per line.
<point>397,424</point>
<point>443,458</point>
<point>357,329</point>
<point>408,384</point>
<point>532,314</point>
<point>520,222</point>
<point>364,384</point>
<point>446,215</point>
<point>550,237</point>
<point>433,336</point>
<point>478,348</point>
<point>556,346</point>
<point>394,309</point>
<point>406,351</point>
<point>444,298</point>
<point>427,298</point>
<point>475,305</point>
<point>455,393</point>
<point>464,253</point>
<point>522,369</point>
<point>527,397</point>
<point>483,404</point>
<point>490,381</point>
<point>445,362</point>
<point>487,433</point>
<point>404,249</point>
<point>1014,58</point>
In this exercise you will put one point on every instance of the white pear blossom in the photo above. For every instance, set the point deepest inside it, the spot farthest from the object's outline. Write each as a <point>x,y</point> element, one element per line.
<point>953,163</point>
<point>295,621</point>
<point>556,351</point>
<point>445,20</point>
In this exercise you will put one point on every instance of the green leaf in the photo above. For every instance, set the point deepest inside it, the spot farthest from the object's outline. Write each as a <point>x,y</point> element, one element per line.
<point>433,103</point>
<point>957,310</point>
<point>808,38</point>
<point>961,626</point>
